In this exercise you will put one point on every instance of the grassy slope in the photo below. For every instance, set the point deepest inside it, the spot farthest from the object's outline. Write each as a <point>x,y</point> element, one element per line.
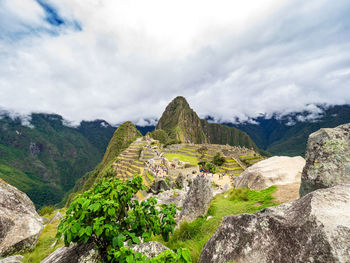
<point>194,235</point>
<point>182,157</point>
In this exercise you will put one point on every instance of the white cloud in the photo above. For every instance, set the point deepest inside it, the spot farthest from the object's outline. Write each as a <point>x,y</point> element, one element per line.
<point>228,58</point>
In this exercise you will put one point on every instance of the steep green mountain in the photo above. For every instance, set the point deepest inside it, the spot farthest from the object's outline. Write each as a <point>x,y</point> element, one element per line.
<point>121,140</point>
<point>288,135</point>
<point>183,124</point>
<point>45,158</point>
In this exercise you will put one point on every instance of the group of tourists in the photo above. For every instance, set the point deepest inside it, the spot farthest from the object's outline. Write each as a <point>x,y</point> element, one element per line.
<point>157,170</point>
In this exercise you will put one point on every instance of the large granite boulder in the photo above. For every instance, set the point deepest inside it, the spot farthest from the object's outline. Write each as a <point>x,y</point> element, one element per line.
<point>20,224</point>
<point>150,249</point>
<point>277,170</point>
<point>85,253</point>
<point>327,159</point>
<point>315,228</point>
<point>197,199</point>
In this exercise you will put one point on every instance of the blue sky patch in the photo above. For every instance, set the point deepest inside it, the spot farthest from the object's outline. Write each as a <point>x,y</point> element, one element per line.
<point>52,16</point>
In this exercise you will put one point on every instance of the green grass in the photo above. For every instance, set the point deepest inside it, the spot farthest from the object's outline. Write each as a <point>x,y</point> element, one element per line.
<point>46,239</point>
<point>150,176</point>
<point>194,235</point>
<point>182,157</point>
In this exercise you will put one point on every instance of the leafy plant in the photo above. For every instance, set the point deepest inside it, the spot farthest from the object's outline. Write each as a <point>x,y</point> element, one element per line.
<point>210,167</point>
<point>109,216</point>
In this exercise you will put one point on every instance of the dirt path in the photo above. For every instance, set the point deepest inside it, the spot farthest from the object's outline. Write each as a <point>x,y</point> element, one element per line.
<point>286,193</point>
<point>222,181</point>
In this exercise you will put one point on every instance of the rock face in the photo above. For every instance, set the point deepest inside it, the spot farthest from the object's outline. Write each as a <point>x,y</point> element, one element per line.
<point>159,186</point>
<point>315,228</point>
<point>20,225</point>
<point>85,253</point>
<point>174,196</point>
<point>277,170</point>
<point>197,200</point>
<point>150,249</point>
<point>327,159</point>
<point>12,259</point>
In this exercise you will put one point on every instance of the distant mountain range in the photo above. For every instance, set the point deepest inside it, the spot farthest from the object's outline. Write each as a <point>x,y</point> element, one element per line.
<point>44,158</point>
<point>288,135</point>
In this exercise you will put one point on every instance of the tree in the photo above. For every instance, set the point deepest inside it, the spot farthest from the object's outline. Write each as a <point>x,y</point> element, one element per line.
<point>218,160</point>
<point>109,216</point>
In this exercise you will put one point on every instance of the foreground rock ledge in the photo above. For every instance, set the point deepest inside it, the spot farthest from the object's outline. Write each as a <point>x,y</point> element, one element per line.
<point>315,228</point>
<point>327,159</point>
<point>20,225</point>
<point>85,253</point>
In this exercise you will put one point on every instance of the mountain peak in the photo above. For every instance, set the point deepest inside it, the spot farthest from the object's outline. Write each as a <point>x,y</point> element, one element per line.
<point>182,124</point>
<point>178,103</point>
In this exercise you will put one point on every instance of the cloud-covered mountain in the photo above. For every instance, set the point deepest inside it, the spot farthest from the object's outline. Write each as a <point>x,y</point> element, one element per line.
<point>288,134</point>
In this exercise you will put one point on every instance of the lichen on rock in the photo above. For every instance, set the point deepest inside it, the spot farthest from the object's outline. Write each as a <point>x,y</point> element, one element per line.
<point>327,159</point>
<point>20,224</point>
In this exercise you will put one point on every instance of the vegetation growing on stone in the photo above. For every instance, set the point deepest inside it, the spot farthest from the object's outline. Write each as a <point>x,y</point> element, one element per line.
<point>108,215</point>
<point>194,235</point>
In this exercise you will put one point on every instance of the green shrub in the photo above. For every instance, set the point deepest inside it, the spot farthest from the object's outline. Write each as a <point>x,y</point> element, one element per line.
<point>108,216</point>
<point>46,210</point>
<point>218,160</point>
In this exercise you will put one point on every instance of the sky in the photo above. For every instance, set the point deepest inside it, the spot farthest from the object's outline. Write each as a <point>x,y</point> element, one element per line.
<point>126,60</point>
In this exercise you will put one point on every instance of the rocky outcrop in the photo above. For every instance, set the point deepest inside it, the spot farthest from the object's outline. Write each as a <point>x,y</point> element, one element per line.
<point>85,253</point>
<point>174,196</point>
<point>315,228</point>
<point>20,225</point>
<point>327,159</point>
<point>277,170</point>
<point>12,259</point>
<point>150,249</point>
<point>159,186</point>
<point>197,200</point>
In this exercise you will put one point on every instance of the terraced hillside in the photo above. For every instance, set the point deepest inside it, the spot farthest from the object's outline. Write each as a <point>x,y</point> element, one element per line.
<point>128,162</point>
<point>132,160</point>
<point>237,158</point>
